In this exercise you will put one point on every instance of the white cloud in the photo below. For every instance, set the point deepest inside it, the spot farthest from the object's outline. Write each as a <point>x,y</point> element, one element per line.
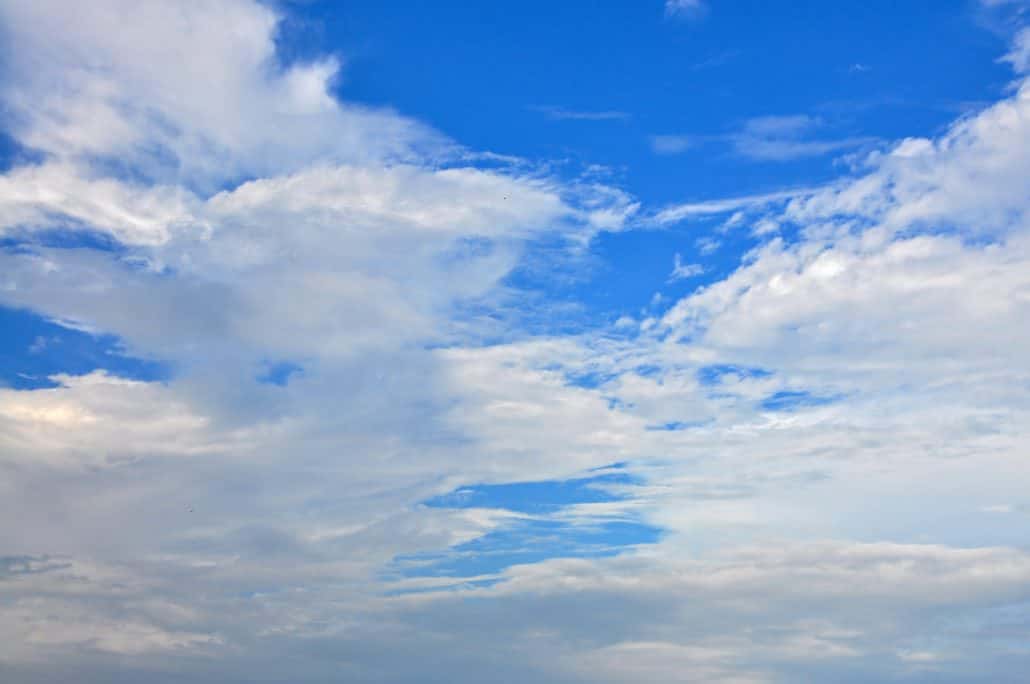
<point>561,113</point>
<point>782,138</point>
<point>680,212</point>
<point>671,144</point>
<point>212,527</point>
<point>174,96</point>
<point>706,245</point>
<point>769,138</point>
<point>967,178</point>
<point>685,8</point>
<point>682,271</point>
<point>40,197</point>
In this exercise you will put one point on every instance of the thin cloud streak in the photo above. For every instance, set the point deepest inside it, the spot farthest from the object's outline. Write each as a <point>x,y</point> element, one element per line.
<point>680,212</point>
<point>767,138</point>
<point>563,114</point>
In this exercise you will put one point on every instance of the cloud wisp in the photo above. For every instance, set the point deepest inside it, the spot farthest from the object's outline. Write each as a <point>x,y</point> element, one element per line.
<point>768,138</point>
<point>685,9</point>
<point>564,114</point>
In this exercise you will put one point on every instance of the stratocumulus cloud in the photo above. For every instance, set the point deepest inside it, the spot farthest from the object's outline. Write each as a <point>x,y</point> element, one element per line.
<point>288,401</point>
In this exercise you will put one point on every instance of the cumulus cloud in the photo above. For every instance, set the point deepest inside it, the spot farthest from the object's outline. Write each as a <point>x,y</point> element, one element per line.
<point>172,95</point>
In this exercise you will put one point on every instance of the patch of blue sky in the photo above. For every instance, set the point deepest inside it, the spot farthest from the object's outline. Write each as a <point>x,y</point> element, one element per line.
<point>683,81</point>
<point>529,541</point>
<point>713,374</point>
<point>71,236</point>
<point>792,400</point>
<point>543,533</point>
<point>617,404</point>
<point>12,153</point>
<point>588,379</point>
<point>631,275</point>
<point>677,425</point>
<point>464,585</point>
<point>539,497</point>
<point>33,348</point>
<point>648,370</point>
<point>278,373</point>
<point>943,227</point>
<point>624,273</point>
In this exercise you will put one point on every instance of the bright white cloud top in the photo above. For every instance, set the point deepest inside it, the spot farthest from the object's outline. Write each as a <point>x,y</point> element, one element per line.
<point>376,458</point>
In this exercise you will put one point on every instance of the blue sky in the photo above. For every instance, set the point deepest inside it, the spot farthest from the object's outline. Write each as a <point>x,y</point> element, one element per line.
<point>528,79</point>
<point>640,341</point>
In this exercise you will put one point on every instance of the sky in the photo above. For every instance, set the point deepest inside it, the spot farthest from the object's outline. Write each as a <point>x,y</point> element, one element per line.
<point>501,342</point>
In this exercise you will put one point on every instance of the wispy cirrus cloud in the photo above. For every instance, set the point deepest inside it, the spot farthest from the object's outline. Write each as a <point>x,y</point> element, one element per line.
<point>686,9</point>
<point>684,271</point>
<point>564,114</point>
<point>717,60</point>
<point>672,144</point>
<point>782,138</point>
<point>768,138</point>
<point>685,210</point>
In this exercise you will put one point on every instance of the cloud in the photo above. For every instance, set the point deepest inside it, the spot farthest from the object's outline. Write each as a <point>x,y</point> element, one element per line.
<point>671,144</point>
<point>688,9</point>
<point>783,138</point>
<point>707,245</point>
<point>76,423</point>
<point>1019,56</point>
<point>768,138</point>
<point>716,60</point>
<point>680,212</point>
<point>40,197</point>
<point>216,528</point>
<point>563,114</point>
<point>173,97</point>
<point>682,271</point>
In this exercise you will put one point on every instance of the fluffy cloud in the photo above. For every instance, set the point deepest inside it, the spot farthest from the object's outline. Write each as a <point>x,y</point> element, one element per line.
<point>172,95</point>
